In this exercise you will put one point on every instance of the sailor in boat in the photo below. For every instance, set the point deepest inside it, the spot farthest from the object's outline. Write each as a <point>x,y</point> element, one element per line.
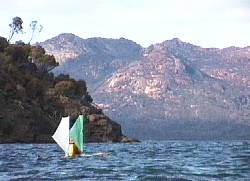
<point>71,140</point>
<point>73,150</point>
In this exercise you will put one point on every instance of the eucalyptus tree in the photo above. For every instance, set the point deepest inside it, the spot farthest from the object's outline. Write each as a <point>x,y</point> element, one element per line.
<point>35,27</point>
<point>15,27</point>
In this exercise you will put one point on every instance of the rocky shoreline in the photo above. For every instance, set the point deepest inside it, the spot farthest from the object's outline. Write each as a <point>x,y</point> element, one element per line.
<point>33,100</point>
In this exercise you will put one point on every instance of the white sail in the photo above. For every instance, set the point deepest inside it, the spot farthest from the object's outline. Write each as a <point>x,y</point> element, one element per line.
<point>61,135</point>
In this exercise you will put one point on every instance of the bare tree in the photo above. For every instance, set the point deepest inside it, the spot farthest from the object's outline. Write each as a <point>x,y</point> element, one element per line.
<point>34,26</point>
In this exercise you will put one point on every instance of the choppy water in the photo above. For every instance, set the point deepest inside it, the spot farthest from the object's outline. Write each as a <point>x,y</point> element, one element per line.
<point>168,160</point>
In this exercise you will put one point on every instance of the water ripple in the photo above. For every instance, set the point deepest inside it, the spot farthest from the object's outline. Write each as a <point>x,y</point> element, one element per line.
<point>151,160</point>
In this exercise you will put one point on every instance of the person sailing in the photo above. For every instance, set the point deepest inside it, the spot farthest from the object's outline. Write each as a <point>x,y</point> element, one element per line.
<point>71,140</point>
<point>73,149</point>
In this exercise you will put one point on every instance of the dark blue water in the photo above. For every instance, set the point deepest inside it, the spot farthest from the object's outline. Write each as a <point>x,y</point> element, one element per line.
<point>168,160</point>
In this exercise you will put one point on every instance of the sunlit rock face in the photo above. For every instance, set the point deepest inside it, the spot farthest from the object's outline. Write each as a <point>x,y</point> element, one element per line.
<point>170,90</point>
<point>92,59</point>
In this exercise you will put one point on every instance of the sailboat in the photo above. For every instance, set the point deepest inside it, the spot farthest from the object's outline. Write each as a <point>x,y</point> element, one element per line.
<point>71,140</point>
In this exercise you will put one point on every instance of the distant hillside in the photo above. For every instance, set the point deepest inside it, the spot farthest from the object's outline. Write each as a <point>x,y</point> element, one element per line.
<point>231,64</point>
<point>32,101</point>
<point>93,59</point>
<point>173,90</point>
<point>169,98</point>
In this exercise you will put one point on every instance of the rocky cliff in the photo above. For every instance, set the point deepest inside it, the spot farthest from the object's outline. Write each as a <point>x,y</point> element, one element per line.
<point>32,101</point>
<point>231,64</point>
<point>169,98</point>
<point>176,90</point>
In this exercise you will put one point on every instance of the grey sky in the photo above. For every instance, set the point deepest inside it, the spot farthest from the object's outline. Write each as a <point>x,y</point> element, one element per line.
<point>208,23</point>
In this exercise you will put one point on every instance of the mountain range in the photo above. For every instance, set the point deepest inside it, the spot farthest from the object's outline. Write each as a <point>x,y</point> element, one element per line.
<point>169,90</point>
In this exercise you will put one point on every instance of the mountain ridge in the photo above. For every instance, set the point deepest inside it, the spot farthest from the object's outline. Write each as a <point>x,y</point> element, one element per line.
<point>176,85</point>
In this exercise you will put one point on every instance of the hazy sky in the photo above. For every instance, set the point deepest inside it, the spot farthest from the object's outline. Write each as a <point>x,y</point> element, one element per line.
<point>208,23</point>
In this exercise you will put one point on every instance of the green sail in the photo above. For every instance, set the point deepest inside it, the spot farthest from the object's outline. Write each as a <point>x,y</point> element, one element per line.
<point>78,133</point>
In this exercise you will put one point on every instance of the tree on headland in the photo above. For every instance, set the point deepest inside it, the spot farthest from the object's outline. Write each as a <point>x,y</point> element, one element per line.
<point>35,27</point>
<point>21,51</point>
<point>15,27</point>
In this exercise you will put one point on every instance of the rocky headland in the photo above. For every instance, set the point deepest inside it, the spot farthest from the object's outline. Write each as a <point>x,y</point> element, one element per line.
<point>33,100</point>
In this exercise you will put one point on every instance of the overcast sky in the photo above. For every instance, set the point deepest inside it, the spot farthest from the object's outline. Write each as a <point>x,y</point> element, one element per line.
<point>208,23</point>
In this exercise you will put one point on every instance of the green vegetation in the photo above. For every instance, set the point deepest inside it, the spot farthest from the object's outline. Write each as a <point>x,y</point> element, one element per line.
<point>30,95</point>
<point>44,62</point>
<point>29,67</point>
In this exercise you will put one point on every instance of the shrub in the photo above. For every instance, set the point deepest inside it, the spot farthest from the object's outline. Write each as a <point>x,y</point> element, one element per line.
<point>44,62</point>
<point>65,88</point>
<point>3,44</point>
<point>18,52</point>
<point>81,88</point>
<point>62,77</point>
<point>35,88</point>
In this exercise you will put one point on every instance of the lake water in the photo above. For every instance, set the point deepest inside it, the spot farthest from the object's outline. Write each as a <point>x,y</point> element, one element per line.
<point>148,160</point>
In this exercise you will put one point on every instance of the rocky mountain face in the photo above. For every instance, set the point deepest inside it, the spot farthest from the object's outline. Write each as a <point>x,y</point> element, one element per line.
<point>173,90</point>
<point>230,64</point>
<point>93,59</point>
